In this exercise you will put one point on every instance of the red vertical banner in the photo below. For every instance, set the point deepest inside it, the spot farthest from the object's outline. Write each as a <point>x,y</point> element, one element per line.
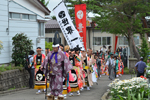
<point>80,19</point>
<point>116,41</point>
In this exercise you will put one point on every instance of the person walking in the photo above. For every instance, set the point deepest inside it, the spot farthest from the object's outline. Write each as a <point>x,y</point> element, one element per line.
<point>98,63</point>
<point>111,64</point>
<point>31,69</point>
<point>140,67</point>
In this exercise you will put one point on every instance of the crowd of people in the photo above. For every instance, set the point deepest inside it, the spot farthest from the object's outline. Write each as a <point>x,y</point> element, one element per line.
<point>70,71</point>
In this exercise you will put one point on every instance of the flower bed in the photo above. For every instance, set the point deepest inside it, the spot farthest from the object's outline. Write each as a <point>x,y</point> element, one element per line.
<point>132,89</point>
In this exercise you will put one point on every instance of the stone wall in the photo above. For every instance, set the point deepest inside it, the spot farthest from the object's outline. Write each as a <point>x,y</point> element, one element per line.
<point>14,78</point>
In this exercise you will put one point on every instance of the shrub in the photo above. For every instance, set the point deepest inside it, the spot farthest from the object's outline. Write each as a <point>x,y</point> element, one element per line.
<point>144,51</point>
<point>49,45</point>
<point>21,47</point>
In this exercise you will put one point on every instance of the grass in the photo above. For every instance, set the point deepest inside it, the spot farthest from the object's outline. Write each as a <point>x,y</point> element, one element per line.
<point>12,88</point>
<point>4,68</point>
<point>126,70</point>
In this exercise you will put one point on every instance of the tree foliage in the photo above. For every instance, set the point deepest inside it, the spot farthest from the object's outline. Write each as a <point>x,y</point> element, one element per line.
<point>44,2</point>
<point>120,17</point>
<point>21,47</point>
<point>145,50</point>
<point>49,45</point>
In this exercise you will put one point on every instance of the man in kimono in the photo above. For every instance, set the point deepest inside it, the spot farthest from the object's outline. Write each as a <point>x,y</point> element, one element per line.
<point>111,65</point>
<point>59,68</point>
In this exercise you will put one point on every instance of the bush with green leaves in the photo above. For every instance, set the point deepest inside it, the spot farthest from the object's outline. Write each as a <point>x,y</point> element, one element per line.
<point>145,50</point>
<point>21,47</point>
<point>49,45</point>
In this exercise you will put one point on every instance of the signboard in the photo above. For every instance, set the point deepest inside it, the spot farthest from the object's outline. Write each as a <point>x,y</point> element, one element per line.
<point>69,31</point>
<point>80,18</point>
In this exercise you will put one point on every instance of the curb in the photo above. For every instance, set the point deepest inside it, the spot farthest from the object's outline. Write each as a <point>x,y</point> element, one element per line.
<point>8,92</point>
<point>105,96</point>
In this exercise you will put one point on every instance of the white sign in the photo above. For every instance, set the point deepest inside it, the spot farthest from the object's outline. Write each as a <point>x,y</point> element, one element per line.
<point>70,33</point>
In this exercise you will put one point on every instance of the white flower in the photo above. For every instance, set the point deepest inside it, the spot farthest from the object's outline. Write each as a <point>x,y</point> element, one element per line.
<point>120,91</point>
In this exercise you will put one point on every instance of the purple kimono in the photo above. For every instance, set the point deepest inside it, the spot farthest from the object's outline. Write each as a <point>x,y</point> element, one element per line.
<point>59,67</point>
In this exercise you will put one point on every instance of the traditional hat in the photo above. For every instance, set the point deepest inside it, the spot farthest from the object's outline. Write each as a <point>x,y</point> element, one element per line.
<point>72,50</point>
<point>56,40</point>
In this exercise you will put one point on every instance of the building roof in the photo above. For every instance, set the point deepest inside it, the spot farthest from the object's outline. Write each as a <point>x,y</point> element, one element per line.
<point>52,24</point>
<point>40,5</point>
<point>44,6</point>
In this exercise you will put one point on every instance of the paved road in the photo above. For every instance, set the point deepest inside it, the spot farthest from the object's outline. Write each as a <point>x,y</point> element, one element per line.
<point>94,94</point>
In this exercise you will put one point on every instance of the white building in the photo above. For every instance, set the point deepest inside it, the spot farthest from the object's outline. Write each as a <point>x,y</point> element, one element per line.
<point>16,16</point>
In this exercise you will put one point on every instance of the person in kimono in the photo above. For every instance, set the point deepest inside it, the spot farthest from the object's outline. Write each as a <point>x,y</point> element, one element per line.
<point>39,75</point>
<point>121,67</point>
<point>66,85</point>
<point>76,83</point>
<point>116,67</point>
<point>111,65</point>
<point>86,67</point>
<point>59,68</point>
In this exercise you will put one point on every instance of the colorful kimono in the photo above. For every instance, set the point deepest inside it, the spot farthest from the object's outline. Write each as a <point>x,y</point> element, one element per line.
<point>40,82</point>
<point>66,84</point>
<point>86,70</point>
<point>76,82</point>
<point>117,67</point>
<point>121,67</point>
<point>59,68</point>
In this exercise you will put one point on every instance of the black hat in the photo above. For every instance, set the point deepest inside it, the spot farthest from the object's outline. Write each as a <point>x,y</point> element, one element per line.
<point>61,45</point>
<point>71,50</point>
<point>56,40</point>
<point>77,48</point>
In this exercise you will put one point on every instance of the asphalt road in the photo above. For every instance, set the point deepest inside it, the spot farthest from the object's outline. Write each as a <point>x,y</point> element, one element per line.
<point>94,94</point>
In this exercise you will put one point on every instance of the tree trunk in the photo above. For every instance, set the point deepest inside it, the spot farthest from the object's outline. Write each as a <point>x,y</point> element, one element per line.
<point>133,50</point>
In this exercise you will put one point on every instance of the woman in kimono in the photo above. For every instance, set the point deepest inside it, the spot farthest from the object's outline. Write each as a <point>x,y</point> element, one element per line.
<point>39,75</point>
<point>75,84</point>
<point>86,67</point>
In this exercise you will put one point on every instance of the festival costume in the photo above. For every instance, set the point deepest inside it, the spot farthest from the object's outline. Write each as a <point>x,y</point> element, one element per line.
<point>76,83</point>
<point>87,70</point>
<point>59,68</point>
<point>40,82</point>
<point>117,67</point>
<point>121,67</point>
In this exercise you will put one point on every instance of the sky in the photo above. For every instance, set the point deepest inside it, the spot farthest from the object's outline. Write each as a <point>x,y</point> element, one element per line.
<point>53,3</point>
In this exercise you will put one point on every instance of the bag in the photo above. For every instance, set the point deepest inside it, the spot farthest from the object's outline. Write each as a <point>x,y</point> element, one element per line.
<point>27,63</point>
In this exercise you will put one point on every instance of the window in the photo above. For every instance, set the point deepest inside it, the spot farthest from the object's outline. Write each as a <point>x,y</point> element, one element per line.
<point>97,40</point>
<point>52,30</point>
<point>50,39</point>
<point>16,16</point>
<point>32,17</point>
<point>25,16</point>
<point>123,41</point>
<point>22,16</point>
<point>136,40</point>
<point>108,40</point>
<point>41,29</point>
<point>102,41</point>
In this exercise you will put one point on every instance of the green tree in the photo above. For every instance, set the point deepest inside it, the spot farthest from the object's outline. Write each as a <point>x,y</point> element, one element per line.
<point>53,17</point>
<point>44,2</point>
<point>21,47</point>
<point>145,50</point>
<point>49,45</point>
<point>121,17</point>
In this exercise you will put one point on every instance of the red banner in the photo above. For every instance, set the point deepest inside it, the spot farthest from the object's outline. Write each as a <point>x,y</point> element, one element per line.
<point>80,18</point>
<point>116,41</point>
